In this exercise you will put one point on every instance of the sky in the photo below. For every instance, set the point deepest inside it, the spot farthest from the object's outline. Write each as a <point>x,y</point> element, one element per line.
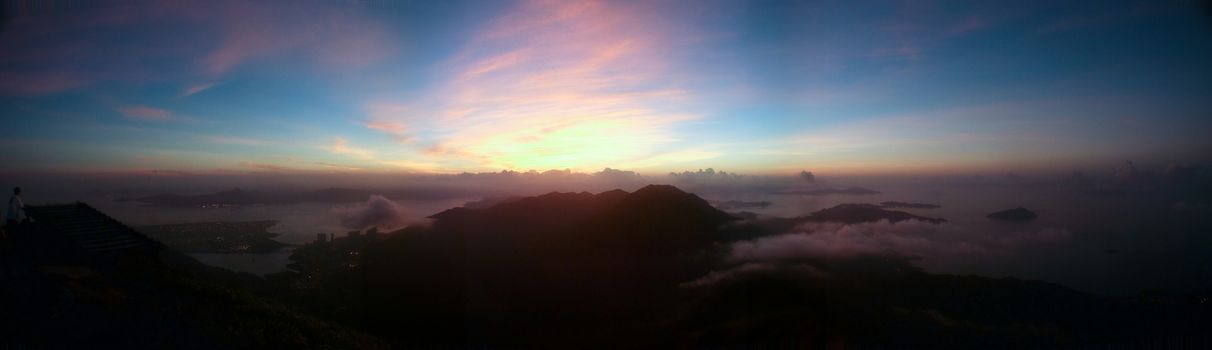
<point>842,87</point>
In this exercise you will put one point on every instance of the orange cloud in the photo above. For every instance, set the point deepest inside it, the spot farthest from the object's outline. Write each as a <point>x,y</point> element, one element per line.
<point>391,127</point>
<point>386,118</point>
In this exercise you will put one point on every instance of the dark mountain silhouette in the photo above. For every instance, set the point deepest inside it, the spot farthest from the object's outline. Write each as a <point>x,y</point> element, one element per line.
<point>884,302</point>
<point>582,263</point>
<point>76,278</point>
<point>1016,214</point>
<point>895,204</point>
<point>735,204</point>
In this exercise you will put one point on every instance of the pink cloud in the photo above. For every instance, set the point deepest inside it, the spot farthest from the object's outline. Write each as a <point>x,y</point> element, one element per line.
<point>386,118</point>
<point>391,127</point>
<point>145,113</point>
<point>554,84</point>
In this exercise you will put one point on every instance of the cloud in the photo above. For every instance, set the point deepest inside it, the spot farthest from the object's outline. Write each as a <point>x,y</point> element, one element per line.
<point>412,165</point>
<point>807,176</point>
<point>389,118</point>
<point>145,113</point>
<point>747,269</point>
<point>390,127</point>
<point>48,52</point>
<point>266,167</point>
<point>378,211</point>
<point>347,39</point>
<point>581,85</point>
<point>711,181</point>
<point>341,146</point>
<point>912,237</point>
<point>616,174</point>
<point>193,89</point>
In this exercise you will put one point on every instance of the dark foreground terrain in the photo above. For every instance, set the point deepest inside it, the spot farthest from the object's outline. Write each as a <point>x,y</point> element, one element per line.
<point>644,269</point>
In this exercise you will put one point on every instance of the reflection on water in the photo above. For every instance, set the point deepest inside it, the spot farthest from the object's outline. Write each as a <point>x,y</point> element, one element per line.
<point>258,264</point>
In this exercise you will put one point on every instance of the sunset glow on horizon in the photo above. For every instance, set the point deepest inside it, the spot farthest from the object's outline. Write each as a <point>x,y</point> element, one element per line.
<point>448,87</point>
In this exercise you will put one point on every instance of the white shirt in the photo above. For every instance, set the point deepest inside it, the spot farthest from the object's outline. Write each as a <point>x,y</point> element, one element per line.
<point>14,208</point>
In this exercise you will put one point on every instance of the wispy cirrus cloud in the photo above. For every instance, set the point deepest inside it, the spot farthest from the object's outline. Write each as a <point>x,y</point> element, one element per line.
<point>348,39</point>
<point>194,89</point>
<point>341,146</point>
<point>77,49</point>
<point>554,85</point>
<point>389,118</point>
<point>145,113</point>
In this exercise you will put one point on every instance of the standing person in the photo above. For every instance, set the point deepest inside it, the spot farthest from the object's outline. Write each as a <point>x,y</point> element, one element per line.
<point>16,208</point>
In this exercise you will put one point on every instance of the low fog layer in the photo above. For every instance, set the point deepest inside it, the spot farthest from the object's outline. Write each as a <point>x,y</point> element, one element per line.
<point>378,212</point>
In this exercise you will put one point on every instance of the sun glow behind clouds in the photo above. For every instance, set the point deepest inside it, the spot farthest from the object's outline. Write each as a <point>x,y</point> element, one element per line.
<point>552,85</point>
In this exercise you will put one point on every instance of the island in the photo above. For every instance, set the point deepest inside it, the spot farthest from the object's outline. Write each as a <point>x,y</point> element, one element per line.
<point>735,204</point>
<point>909,205</point>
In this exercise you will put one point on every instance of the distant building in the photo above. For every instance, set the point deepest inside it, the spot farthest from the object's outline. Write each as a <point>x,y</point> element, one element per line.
<point>354,234</point>
<point>321,237</point>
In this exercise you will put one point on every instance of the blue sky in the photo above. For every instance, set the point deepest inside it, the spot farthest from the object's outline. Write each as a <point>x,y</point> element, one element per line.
<point>756,87</point>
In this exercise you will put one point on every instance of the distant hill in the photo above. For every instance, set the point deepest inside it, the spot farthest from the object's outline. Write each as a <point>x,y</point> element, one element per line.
<point>857,213</point>
<point>849,213</point>
<point>895,204</point>
<point>735,204</point>
<point>58,291</point>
